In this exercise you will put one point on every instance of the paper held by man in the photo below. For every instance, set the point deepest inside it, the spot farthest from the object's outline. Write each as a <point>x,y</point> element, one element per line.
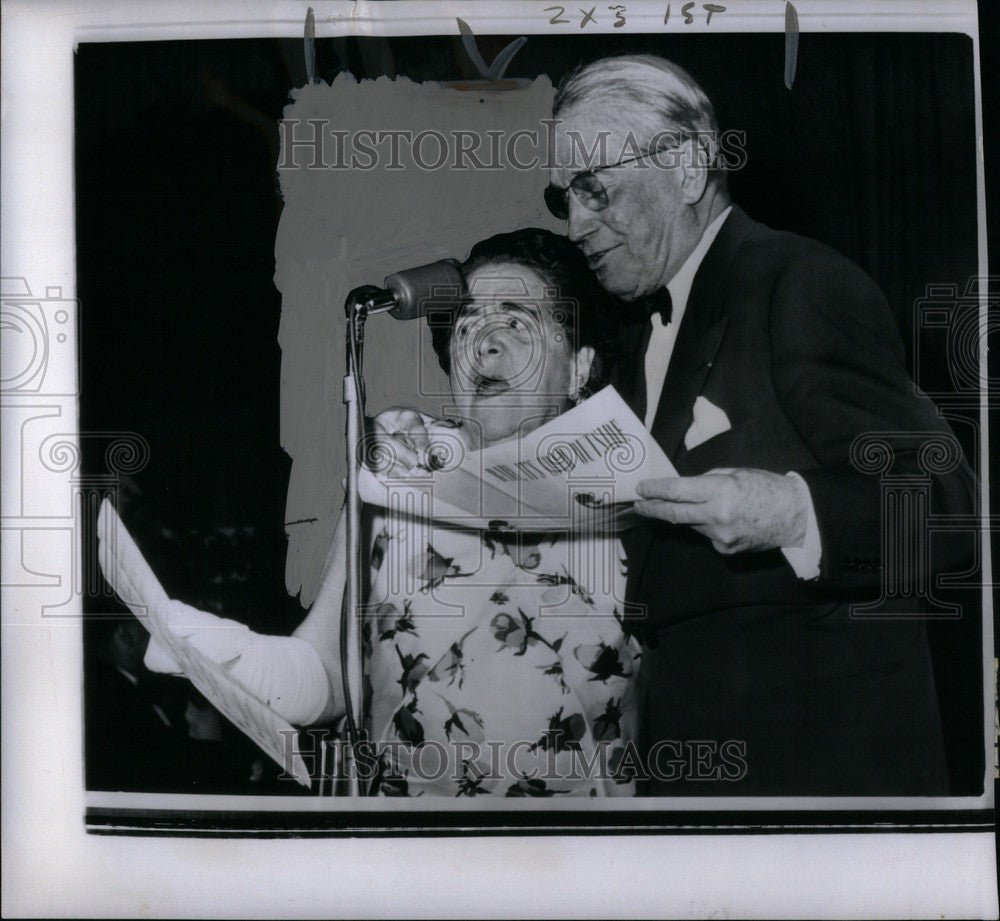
<point>579,471</point>
<point>177,628</point>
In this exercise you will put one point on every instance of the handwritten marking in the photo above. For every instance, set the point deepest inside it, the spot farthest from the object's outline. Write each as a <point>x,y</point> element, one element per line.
<point>589,17</point>
<point>711,8</point>
<point>309,46</point>
<point>495,71</point>
<point>791,44</point>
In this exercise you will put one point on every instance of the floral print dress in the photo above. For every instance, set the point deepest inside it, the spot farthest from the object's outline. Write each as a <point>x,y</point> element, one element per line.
<point>496,663</point>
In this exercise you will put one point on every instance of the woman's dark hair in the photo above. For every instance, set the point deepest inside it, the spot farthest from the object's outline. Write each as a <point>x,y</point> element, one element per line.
<point>590,318</point>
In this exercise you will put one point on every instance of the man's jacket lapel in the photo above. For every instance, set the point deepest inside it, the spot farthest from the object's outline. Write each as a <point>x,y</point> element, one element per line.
<point>698,340</point>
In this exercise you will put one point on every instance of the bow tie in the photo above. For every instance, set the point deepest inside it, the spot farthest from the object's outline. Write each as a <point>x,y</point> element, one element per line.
<point>660,302</point>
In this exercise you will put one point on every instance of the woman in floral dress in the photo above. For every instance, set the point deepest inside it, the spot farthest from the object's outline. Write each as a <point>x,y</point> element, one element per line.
<point>495,661</point>
<point>500,671</point>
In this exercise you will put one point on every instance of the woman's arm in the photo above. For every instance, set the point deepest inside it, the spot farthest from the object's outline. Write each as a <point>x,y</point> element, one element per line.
<point>298,676</point>
<point>321,628</point>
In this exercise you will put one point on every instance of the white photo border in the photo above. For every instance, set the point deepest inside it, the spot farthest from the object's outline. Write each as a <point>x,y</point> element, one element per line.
<point>51,866</point>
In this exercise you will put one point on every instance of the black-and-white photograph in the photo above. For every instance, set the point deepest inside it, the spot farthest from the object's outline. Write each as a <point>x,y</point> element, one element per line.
<point>577,427</point>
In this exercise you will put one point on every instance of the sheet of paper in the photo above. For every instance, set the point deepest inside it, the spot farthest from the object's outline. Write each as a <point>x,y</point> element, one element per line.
<point>130,576</point>
<point>578,471</point>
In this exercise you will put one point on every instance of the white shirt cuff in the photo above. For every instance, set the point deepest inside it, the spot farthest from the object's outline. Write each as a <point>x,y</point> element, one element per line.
<point>804,560</point>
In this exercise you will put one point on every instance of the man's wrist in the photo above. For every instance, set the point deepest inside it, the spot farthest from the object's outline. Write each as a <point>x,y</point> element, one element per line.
<point>804,555</point>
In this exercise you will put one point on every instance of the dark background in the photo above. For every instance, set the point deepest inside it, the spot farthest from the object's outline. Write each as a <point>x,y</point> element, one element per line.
<point>872,151</point>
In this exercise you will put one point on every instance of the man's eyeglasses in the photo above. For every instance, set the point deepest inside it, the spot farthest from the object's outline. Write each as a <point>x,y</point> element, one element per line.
<point>588,189</point>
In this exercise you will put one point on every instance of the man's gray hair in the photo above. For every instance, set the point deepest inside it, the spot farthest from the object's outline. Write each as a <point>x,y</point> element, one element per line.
<point>664,96</point>
<point>655,85</point>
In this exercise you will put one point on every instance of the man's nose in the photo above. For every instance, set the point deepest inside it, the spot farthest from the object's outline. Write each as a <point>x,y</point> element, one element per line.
<point>581,220</point>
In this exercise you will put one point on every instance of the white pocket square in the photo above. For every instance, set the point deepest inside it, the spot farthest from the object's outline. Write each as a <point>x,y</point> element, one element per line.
<point>709,421</point>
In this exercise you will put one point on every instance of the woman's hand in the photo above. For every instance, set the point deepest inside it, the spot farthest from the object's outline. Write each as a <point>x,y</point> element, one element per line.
<point>397,441</point>
<point>401,440</point>
<point>218,638</point>
<point>285,671</point>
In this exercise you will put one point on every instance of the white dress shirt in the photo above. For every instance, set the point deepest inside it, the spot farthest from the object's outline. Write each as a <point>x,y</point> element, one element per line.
<point>804,560</point>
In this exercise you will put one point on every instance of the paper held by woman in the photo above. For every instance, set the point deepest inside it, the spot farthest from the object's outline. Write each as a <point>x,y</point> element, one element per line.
<point>198,642</point>
<point>579,471</point>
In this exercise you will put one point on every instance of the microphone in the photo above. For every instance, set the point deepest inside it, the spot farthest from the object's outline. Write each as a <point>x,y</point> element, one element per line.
<point>438,284</point>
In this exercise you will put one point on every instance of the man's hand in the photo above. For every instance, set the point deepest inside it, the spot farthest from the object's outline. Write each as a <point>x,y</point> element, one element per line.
<point>736,509</point>
<point>397,442</point>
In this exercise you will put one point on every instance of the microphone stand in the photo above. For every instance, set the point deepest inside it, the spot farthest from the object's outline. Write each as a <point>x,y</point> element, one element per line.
<point>404,295</point>
<point>360,304</point>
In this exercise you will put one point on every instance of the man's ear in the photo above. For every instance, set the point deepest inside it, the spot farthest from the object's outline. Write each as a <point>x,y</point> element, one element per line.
<point>696,160</point>
<point>581,369</point>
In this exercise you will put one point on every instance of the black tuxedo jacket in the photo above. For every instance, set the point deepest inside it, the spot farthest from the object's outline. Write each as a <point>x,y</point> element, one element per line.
<point>799,348</point>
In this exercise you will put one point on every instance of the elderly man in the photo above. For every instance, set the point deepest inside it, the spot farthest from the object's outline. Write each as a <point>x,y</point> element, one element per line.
<point>765,357</point>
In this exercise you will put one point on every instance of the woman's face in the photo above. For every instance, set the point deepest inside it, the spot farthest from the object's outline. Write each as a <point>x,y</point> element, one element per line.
<point>512,366</point>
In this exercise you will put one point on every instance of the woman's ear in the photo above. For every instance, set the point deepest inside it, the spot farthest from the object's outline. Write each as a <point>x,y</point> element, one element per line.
<point>581,371</point>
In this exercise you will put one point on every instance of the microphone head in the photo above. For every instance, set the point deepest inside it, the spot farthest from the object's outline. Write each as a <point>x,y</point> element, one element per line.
<point>438,284</point>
